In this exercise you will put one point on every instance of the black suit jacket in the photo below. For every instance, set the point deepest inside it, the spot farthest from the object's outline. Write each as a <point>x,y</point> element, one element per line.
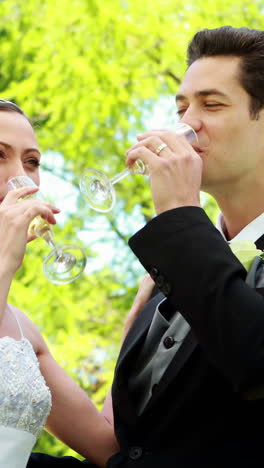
<point>202,414</point>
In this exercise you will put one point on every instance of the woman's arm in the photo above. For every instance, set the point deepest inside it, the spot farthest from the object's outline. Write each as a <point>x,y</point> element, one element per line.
<point>14,222</point>
<point>73,418</point>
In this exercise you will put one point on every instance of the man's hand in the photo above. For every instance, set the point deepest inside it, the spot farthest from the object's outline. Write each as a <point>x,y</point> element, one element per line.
<point>175,173</point>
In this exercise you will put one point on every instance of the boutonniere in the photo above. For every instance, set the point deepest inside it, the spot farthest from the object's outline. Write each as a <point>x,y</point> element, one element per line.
<point>246,252</point>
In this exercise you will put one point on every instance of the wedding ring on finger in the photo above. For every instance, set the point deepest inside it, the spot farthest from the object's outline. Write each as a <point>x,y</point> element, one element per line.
<point>161,147</point>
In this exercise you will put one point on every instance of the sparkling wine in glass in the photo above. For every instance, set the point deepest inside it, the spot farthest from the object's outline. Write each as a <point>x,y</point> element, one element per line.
<point>98,189</point>
<point>65,263</point>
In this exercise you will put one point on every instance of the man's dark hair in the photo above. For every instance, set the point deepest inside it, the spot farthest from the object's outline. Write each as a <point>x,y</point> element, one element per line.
<point>245,43</point>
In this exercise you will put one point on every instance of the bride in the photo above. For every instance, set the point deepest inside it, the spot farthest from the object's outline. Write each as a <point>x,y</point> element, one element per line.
<point>34,391</point>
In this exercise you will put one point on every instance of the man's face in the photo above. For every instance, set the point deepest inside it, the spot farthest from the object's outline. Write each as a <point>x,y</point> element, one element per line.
<point>230,143</point>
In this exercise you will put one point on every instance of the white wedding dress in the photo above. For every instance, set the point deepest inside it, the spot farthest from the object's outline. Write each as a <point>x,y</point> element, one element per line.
<point>25,401</point>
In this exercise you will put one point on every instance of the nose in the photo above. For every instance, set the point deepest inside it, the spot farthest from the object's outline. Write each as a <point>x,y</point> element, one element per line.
<point>195,123</point>
<point>15,169</point>
<point>192,117</point>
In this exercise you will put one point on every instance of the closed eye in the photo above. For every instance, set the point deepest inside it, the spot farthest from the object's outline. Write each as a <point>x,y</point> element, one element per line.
<point>32,162</point>
<point>180,112</point>
<point>213,104</point>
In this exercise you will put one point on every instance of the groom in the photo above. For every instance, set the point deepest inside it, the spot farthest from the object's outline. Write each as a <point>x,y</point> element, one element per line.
<point>187,390</point>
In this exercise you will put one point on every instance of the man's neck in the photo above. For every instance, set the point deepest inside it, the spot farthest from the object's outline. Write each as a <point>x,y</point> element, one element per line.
<point>240,199</point>
<point>238,215</point>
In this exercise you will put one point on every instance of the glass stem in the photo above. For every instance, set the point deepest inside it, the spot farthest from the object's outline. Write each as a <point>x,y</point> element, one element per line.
<point>48,237</point>
<point>121,175</point>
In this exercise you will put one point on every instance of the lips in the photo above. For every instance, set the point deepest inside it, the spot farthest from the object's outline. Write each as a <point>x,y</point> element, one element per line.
<point>197,149</point>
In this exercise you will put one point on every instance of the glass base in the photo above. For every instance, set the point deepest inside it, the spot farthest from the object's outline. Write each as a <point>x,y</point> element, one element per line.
<point>97,190</point>
<point>64,264</point>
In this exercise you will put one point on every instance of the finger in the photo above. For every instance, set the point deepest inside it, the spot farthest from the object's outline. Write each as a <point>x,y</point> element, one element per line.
<point>30,238</point>
<point>43,211</point>
<point>152,143</point>
<point>13,195</point>
<point>175,144</point>
<point>144,154</point>
<point>174,140</point>
<point>31,208</point>
<point>40,203</point>
<point>19,209</point>
<point>156,131</point>
<point>52,207</point>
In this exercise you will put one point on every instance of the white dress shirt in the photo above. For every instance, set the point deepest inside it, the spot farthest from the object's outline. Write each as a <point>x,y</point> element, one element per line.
<point>253,231</point>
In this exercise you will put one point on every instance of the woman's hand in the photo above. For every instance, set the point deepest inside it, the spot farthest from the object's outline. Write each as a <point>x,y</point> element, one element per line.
<point>14,224</point>
<point>143,295</point>
<point>175,171</point>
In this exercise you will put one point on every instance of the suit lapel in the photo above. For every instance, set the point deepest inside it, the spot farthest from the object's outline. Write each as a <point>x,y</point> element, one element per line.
<point>129,353</point>
<point>177,363</point>
<point>138,331</point>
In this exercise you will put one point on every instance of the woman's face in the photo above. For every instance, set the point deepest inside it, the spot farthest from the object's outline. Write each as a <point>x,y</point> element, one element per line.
<point>19,153</point>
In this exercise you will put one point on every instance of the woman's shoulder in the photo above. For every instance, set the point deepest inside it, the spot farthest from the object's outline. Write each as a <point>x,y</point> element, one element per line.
<point>28,328</point>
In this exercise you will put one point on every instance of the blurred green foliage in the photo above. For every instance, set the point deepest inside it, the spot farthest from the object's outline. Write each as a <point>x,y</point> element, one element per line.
<point>88,73</point>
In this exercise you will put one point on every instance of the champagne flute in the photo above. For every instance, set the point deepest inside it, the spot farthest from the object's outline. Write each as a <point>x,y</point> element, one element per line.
<point>98,189</point>
<point>65,263</point>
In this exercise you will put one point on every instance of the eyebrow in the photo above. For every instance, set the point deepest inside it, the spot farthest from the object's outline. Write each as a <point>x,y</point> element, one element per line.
<point>202,93</point>
<point>28,150</point>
